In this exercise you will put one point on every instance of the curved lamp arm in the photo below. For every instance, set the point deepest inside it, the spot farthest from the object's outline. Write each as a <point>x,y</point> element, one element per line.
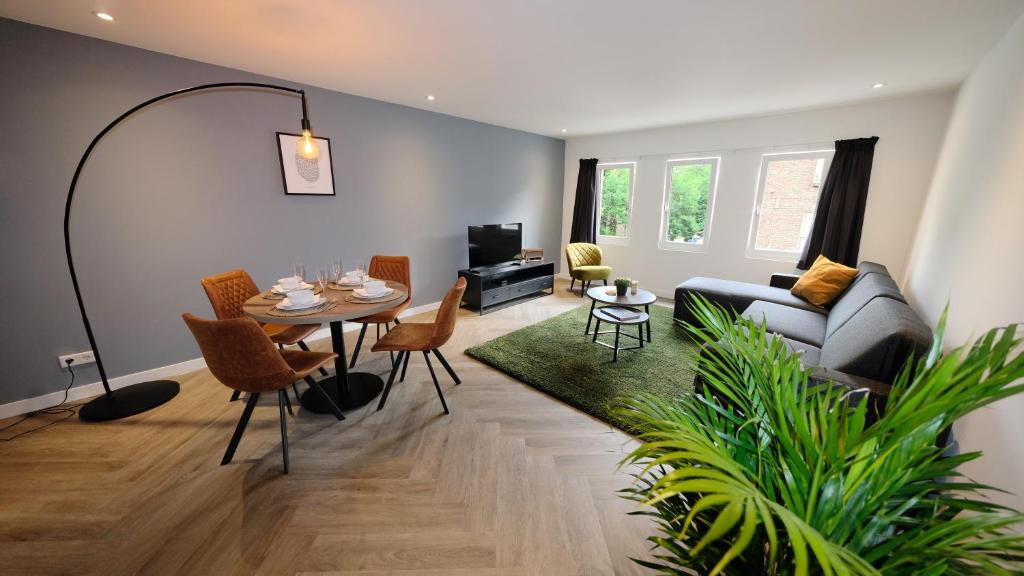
<point>88,152</point>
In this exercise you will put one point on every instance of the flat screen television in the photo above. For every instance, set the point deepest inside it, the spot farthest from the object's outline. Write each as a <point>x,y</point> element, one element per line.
<point>492,244</point>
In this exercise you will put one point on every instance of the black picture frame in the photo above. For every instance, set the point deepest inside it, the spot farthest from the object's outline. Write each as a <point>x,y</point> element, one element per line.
<point>325,154</point>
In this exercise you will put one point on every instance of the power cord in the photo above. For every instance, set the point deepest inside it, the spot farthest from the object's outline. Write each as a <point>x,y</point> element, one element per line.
<point>53,410</point>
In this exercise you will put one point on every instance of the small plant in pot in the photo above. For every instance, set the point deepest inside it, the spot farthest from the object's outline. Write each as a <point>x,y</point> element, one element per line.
<point>621,285</point>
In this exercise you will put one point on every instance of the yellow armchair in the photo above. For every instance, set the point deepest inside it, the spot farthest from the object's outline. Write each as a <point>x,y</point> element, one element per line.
<point>584,261</point>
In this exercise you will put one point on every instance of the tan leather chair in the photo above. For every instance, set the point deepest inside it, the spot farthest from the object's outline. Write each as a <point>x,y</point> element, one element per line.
<point>239,353</point>
<point>229,291</point>
<point>395,269</point>
<point>426,338</point>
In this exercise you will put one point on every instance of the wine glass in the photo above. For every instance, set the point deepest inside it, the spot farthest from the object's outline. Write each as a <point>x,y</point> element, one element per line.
<point>299,271</point>
<point>321,277</point>
<point>361,269</point>
<point>337,270</point>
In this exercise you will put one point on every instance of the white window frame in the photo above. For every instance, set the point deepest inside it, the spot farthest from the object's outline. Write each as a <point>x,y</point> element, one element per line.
<point>762,174</point>
<point>663,242</point>
<point>616,240</point>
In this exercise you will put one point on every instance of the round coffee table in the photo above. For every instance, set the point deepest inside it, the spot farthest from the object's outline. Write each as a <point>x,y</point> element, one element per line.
<point>604,314</point>
<point>600,294</point>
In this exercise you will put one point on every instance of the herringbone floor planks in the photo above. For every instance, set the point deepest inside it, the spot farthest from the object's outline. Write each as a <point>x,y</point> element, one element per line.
<point>512,483</point>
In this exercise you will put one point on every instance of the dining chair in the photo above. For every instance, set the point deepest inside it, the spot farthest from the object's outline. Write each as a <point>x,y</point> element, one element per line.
<point>229,291</point>
<point>410,337</point>
<point>394,269</point>
<point>241,356</point>
<point>584,261</point>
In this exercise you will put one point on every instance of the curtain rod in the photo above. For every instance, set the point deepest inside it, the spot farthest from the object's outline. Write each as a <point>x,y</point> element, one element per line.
<point>711,152</point>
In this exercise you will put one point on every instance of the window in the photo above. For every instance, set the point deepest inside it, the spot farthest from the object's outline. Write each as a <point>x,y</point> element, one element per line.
<point>688,203</point>
<point>787,197</point>
<point>615,200</point>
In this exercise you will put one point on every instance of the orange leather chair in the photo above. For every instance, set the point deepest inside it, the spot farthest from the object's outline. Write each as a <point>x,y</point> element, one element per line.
<point>426,338</point>
<point>395,269</point>
<point>240,354</point>
<point>228,291</point>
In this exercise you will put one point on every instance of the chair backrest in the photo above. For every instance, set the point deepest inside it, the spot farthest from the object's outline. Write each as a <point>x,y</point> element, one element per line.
<point>240,354</point>
<point>444,322</point>
<point>582,254</point>
<point>393,268</point>
<point>228,291</point>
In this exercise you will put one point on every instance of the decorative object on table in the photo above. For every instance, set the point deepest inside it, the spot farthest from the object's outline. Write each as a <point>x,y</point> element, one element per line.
<point>426,338</point>
<point>878,491</point>
<point>533,254</point>
<point>303,174</point>
<point>633,287</point>
<point>585,265</point>
<point>136,398</point>
<point>227,293</point>
<point>621,286</point>
<point>242,357</point>
<point>386,296</point>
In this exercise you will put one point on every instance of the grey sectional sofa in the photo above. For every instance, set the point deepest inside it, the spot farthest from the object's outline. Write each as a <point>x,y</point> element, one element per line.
<point>861,341</point>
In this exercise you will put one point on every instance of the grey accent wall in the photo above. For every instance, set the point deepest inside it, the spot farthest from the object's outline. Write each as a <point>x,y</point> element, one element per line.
<point>193,187</point>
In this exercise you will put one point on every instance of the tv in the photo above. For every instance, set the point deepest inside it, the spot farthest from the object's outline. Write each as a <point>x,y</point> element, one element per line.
<point>492,244</point>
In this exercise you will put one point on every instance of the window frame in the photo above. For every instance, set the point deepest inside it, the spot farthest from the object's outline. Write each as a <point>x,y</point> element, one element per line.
<point>766,158</point>
<point>663,242</point>
<point>601,167</point>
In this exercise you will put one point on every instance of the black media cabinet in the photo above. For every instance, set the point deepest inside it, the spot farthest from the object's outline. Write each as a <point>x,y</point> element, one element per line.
<point>489,288</point>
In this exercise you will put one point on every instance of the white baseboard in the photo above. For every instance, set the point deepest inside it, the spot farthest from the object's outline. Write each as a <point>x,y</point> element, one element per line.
<point>82,391</point>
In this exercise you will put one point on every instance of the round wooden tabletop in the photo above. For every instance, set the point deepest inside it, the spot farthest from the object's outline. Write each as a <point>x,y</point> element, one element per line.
<point>257,307</point>
<point>641,298</point>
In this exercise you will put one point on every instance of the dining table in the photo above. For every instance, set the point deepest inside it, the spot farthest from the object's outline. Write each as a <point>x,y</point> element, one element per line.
<point>348,390</point>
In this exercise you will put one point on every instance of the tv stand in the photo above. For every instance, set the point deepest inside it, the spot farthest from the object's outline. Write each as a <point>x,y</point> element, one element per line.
<point>489,288</point>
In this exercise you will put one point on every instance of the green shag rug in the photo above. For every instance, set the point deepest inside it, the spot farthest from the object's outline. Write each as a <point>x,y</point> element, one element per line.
<point>555,357</point>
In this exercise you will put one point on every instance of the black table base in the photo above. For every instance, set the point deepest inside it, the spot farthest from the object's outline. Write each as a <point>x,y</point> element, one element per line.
<point>362,388</point>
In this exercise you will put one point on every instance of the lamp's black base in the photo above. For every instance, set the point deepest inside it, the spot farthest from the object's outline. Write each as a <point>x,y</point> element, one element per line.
<point>129,401</point>
<point>362,388</point>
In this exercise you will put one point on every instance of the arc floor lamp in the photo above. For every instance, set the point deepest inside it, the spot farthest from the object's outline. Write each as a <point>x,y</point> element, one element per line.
<point>137,398</point>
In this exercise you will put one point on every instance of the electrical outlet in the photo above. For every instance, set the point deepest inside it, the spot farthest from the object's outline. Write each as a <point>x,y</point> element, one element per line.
<point>77,359</point>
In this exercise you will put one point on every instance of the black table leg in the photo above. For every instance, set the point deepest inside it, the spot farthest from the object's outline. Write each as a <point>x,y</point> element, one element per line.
<point>349,390</point>
<point>590,317</point>
<point>615,354</point>
<point>647,310</point>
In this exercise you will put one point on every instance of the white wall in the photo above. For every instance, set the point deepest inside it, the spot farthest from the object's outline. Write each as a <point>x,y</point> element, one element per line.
<point>910,130</point>
<point>968,247</point>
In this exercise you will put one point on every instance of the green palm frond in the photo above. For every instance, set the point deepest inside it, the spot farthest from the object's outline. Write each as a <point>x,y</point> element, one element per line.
<point>771,472</point>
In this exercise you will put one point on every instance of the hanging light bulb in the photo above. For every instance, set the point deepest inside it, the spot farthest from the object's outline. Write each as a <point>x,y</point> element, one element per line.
<point>307,146</point>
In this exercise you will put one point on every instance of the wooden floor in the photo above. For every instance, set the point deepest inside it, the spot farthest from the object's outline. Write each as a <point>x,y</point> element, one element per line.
<point>513,482</point>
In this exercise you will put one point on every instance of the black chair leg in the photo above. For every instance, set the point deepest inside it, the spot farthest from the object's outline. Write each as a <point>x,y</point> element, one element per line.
<point>391,380</point>
<point>387,330</point>
<point>404,365</point>
<point>235,395</point>
<point>334,407</point>
<point>287,400</point>
<point>240,428</point>
<point>296,390</point>
<point>359,344</point>
<point>304,348</point>
<point>282,397</point>
<point>605,280</point>
<point>572,284</point>
<point>437,385</point>
<point>396,321</point>
<point>447,366</point>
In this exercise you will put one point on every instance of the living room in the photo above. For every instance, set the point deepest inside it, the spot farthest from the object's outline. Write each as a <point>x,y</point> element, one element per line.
<point>512,288</point>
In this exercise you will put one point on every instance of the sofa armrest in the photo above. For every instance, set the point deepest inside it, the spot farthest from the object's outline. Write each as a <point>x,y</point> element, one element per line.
<point>785,281</point>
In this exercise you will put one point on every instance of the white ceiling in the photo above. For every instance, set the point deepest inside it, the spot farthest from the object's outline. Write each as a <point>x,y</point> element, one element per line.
<point>591,66</point>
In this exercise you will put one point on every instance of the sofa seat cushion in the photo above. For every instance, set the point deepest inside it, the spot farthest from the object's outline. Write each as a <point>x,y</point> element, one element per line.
<point>800,325</point>
<point>736,296</point>
<point>592,272</point>
<point>876,341</point>
<point>810,356</point>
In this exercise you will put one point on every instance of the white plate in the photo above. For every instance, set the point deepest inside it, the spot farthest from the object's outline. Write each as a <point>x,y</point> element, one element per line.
<point>286,304</point>
<point>361,292</point>
<point>278,290</point>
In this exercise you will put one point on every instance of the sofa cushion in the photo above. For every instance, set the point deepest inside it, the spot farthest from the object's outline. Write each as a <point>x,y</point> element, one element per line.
<point>877,340</point>
<point>824,281</point>
<point>867,287</point>
<point>734,295</point>
<point>800,325</point>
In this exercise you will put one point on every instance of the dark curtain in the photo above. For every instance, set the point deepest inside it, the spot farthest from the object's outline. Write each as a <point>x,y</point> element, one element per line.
<point>840,214</point>
<point>584,213</point>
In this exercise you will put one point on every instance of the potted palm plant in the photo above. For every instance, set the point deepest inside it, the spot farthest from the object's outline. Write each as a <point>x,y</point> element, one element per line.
<point>777,474</point>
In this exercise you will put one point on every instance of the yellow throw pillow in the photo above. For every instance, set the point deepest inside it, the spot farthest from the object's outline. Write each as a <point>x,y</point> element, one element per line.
<point>824,281</point>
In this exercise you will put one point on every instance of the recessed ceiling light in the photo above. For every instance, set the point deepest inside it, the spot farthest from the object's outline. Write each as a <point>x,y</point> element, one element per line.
<point>564,130</point>
<point>430,97</point>
<point>104,16</point>
<point>878,85</point>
